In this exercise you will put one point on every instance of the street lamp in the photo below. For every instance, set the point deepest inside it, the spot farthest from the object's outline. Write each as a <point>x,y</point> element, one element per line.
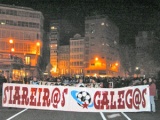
<point>12,49</point>
<point>11,41</point>
<point>137,68</point>
<point>37,51</point>
<point>137,71</point>
<point>38,43</point>
<point>96,58</point>
<point>116,64</point>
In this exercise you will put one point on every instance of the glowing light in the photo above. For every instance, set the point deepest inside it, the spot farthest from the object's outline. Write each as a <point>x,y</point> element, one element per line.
<point>96,58</point>
<point>38,44</point>
<point>3,23</point>
<point>53,28</point>
<point>12,49</point>
<point>102,23</point>
<point>116,64</point>
<point>137,68</point>
<point>11,41</point>
<point>54,69</point>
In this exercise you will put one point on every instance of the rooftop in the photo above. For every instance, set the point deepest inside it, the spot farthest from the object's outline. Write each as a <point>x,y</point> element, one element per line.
<point>17,7</point>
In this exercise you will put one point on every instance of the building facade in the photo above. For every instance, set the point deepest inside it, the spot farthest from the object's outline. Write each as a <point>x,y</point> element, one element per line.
<point>64,60</point>
<point>101,47</point>
<point>60,33</point>
<point>21,33</point>
<point>54,44</point>
<point>77,55</point>
<point>96,54</point>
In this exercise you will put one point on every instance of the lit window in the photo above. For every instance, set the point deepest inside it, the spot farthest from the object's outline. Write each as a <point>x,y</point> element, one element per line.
<point>102,23</point>
<point>28,60</point>
<point>2,23</point>
<point>53,28</point>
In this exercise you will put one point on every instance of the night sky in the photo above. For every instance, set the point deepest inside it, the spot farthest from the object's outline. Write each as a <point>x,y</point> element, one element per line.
<point>130,16</point>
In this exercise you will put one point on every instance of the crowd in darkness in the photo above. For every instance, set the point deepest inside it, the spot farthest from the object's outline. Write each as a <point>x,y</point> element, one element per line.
<point>114,82</point>
<point>103,82</point>
<point>117,82</point>
<point>98,82</point>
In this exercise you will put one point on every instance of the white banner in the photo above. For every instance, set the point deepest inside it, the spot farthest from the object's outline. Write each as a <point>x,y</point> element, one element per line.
<point>80,99</point>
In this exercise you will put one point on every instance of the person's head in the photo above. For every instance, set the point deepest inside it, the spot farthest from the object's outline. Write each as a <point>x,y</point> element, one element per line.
<point>80,80</point>
<point>101,84</point>
<point>34,78</point>
<point>145,81</point>
<point>150,80</point>
<point>93,81</point>
<point>58,80</point>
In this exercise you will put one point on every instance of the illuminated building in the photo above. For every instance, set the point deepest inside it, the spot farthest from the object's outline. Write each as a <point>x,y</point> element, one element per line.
<point>64,60</point>
<point>96,54</point>
<point>101,55</point>
<point>60,33</point>
<point>77,55</point>
<point>54,43</point>
<point>21,33</point>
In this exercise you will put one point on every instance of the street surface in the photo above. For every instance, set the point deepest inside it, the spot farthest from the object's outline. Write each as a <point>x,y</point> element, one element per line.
<point>33,114</point>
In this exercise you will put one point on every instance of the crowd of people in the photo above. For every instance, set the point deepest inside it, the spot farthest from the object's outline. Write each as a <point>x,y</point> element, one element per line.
<point>100,82</point>
<point>103,82</point>
<point>115,82</point>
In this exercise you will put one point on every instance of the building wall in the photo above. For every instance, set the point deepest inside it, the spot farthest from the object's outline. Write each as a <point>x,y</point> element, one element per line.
<point>60,33</point>
<point>102,39</point>
<point>25,27</point>
<point>64,60</point>
<point>54,44</point>
<point>96,53</point>
<point>77,55</point>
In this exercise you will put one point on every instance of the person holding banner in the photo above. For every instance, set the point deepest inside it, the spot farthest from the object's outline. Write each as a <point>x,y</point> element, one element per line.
<point>80,83</point>
<point>152,90</point>
<point>59,83</point>
<point>94,84</point>
<point>35,81</point>
<point>145,82</point>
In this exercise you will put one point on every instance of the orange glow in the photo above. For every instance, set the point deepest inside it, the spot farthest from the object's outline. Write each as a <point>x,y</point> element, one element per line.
<point>96,59</point>
<point>115,67</point>
<point>98,64</point>
<point>12,49</point>
<point>95,75</point>
<point>11,41</point>
<point>54,69</point>
<point>38,44</point>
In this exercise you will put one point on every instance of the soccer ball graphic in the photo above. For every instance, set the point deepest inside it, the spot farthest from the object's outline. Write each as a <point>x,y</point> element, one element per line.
<point>84,97</point>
